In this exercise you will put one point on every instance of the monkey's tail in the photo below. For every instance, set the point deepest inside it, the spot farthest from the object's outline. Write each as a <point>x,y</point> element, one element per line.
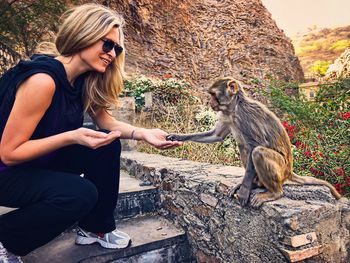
<point>308,180</point>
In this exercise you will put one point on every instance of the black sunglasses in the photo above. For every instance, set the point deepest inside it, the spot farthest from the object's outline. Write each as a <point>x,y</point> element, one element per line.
<point>108,45</point>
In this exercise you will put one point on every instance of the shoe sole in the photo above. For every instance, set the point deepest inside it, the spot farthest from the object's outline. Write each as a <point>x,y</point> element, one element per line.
<point>90,240</point>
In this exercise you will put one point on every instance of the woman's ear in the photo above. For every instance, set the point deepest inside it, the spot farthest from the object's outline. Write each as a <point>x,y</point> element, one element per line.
<point>233,87</point>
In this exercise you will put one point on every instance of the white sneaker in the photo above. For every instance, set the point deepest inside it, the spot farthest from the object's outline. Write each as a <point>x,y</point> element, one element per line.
<point>114,239</point>
<point>8,257</point>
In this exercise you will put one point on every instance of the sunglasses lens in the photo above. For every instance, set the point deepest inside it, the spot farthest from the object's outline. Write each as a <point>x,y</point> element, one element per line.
<point>118,50</point>
<point>107,46</point>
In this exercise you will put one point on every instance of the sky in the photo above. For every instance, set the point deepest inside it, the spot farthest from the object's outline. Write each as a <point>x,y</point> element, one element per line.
<point>296,16</point>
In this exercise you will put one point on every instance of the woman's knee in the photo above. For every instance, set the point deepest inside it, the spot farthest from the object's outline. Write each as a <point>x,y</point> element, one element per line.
<point>87,194</point>
<point>78,196</point>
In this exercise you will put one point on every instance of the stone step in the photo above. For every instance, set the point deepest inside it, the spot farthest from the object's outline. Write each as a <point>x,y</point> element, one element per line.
<point>135,200</point>
<point>154,240</point>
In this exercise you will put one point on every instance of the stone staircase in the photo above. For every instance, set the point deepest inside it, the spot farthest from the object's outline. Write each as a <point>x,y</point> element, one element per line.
<point>154,238</point>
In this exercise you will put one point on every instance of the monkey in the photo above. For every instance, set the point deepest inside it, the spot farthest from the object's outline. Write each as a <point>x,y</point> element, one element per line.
<point>263,143</point>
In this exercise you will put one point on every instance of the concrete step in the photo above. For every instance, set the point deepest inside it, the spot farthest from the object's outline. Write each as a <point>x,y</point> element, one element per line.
<point>154,240</point>
<point>135,200</point>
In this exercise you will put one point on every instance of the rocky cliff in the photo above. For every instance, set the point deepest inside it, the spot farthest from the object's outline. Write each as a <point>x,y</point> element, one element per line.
<point>341,67</point>
<point>199,40</point>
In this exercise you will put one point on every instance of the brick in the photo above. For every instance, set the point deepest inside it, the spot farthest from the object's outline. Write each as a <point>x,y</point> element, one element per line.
<point>299,255</point>
<point>300,240</point>
<point>209,200</point>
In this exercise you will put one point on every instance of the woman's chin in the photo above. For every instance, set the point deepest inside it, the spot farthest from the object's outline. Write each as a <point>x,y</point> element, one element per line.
<point>100,69</point>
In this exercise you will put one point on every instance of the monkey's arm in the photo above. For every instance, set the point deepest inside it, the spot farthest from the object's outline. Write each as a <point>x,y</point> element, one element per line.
<point>217,134</point>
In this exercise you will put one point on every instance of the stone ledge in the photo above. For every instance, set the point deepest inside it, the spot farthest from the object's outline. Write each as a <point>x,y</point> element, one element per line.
<point>195,196</point>
<point>153,239</point>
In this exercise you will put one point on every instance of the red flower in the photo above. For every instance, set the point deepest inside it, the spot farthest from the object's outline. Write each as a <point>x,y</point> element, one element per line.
<point>300,145</point>
<point>340,172</point>
<point>345,115</point>
<point>313,171</point>
<point>316,172</point>
<point>308,153</point>
<point>339,187</point>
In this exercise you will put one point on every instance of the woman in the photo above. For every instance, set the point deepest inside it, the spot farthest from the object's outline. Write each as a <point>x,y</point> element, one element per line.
<point>44,148</point>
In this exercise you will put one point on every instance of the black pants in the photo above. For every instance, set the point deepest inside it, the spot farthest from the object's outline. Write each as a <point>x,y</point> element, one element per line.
<point>53,197</point>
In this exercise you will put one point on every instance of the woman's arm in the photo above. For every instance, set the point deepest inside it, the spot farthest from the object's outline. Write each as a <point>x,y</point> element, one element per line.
<point>155,137</point>
<point>33,98</point>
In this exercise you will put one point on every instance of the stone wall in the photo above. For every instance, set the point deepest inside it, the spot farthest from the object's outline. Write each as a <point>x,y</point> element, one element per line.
<point>307,223</point>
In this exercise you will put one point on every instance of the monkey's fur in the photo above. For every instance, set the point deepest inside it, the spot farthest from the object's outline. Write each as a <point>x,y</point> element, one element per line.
<point>264,144</point>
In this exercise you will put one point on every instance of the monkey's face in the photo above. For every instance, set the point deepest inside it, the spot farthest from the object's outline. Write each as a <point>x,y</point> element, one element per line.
<point>222,92</point>
<point>214,103</point>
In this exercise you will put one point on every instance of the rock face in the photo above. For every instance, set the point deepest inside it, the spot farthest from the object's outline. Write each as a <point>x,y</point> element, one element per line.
<point>341,67</point>
<point>199,40</point>
<point>307,223</point>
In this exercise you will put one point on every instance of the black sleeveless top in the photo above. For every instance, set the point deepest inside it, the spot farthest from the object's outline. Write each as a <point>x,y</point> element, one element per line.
<point>66,109</point>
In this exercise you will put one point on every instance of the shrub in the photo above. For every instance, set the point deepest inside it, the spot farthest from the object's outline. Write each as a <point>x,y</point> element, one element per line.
<point>137,87</point>
<point>166,92</point>
<point>320,132</point>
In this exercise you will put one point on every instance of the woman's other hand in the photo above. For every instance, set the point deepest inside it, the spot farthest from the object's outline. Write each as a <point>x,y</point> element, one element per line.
<point>93,139</point>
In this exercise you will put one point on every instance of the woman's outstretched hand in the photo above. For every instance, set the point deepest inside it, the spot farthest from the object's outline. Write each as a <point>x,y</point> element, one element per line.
<point>157,138</point>
<point>93,139</point>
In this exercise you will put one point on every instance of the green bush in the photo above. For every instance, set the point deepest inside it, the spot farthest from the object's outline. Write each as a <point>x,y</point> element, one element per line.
<point>137,87</point>
<point>320,132</point>
<point>167,92</point>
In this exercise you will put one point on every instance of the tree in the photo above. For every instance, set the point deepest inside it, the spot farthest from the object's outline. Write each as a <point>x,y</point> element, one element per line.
<point>320,67</point>
<point>25,23</point>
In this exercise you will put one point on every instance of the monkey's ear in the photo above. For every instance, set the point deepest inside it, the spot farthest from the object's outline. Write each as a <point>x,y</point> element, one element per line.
<point>233,87</point>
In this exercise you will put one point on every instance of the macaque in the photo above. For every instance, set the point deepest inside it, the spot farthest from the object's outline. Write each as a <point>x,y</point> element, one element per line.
<point>263,143</point>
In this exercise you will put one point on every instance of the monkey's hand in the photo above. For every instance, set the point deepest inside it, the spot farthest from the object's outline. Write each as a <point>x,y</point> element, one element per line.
<point>175,137</point>
<point>243,193</point>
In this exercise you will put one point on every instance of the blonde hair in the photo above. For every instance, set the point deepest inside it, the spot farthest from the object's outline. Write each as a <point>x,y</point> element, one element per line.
<point>82,26</point>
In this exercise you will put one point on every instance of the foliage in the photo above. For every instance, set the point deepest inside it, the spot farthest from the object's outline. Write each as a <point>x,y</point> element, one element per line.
<point>23,24</point>
<point>137,87</point>
<point>320,67</point>
<point>320,132</point>
<point>340,45</point>
<point>171,91</point>
<point>166,92</point>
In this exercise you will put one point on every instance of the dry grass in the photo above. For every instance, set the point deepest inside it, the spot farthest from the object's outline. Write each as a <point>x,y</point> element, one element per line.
<point>181,119</point>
